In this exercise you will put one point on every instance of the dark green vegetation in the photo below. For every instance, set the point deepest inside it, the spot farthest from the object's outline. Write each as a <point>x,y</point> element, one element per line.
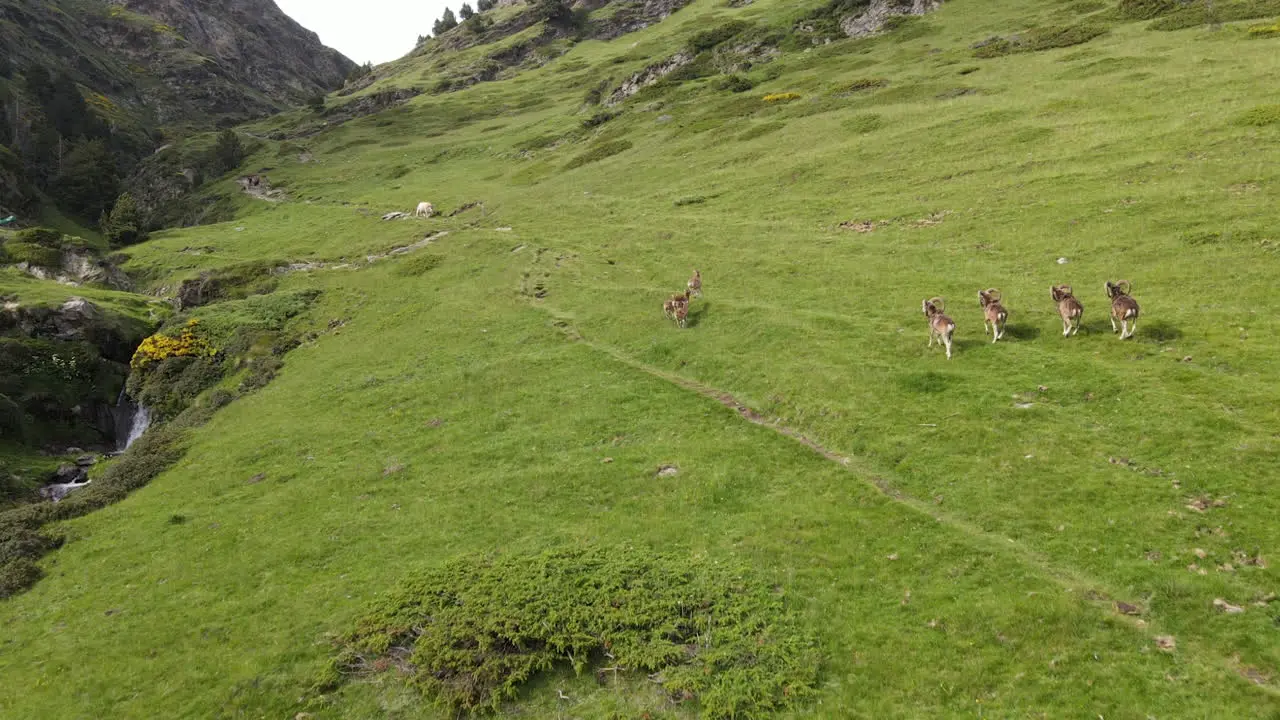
<point>1044,527</point>
<point>472,633</point>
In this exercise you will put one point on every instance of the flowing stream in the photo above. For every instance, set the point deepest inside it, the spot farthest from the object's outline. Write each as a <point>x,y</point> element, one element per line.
<point>131,421</point>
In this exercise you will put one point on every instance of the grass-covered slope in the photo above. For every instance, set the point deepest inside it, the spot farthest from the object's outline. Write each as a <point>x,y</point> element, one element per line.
<point>1041,527</point>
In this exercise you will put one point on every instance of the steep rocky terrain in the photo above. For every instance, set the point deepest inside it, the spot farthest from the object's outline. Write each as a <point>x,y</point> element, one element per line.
<point>132,74</point>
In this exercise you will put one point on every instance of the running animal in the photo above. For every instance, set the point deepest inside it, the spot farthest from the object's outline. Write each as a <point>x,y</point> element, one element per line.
<point>993,313</point>
<point>941,327</point>
<point>1123,308</point>
<point>1069,308</point>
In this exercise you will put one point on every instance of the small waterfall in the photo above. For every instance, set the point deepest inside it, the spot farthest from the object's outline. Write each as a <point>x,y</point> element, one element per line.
<point>131,421</point>
<point>141,421</point>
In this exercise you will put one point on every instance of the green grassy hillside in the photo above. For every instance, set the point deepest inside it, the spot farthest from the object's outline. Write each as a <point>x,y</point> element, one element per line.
<point>1042,527</point>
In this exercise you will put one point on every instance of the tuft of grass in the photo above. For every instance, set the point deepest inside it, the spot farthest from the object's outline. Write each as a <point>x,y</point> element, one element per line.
<point>1260,116</point>
<point>760,130</point>
<point>472,633</point>
<point>864,123</point>
<point>599,152</point>
<point>418,264</point>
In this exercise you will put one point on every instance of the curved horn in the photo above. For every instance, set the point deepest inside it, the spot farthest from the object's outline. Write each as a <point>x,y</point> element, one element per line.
<point>994,294</point>
<point>938,303</point>
<point>1125,285</point>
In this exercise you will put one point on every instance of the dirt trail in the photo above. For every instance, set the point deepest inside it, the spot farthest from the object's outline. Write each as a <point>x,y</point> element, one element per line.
<point>262,190</point>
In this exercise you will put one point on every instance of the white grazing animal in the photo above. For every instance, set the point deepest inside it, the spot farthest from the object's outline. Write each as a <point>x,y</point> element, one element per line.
<point>425,209</point>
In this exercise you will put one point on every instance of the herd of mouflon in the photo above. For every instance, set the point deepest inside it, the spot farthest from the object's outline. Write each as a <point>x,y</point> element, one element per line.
<point>1124,310</point>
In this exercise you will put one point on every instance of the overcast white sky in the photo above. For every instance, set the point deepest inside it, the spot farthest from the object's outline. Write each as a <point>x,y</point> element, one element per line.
<point>368,30</point>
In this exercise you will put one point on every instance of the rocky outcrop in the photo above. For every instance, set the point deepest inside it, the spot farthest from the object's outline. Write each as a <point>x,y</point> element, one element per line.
<point>647,77</point>
<point>880,12</point>
<point>630,17</point>
<point>79,267</point>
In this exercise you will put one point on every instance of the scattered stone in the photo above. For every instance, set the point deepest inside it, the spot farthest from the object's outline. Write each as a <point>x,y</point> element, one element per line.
<point>87,460</point>
<point>1024,406</point>
<point>505,228</point>
<point>1200,553</point>
<point>1167,643</point>
<point>1205,502</point>
<point>607,460</point>
<point>392,469</point>
<point>256,479</point>
<point>894,556</point>
<point>1062,261</point>
<point>1125,608</point>
<point>1244,559</point>
<point>1226,607</point>
<point>1152,556</point>
<point>395,215</point>
<point>668,471</point>
<point>517,248</point>
<point>113,611</point>
<point>435,422</point>
<point>862,226</point>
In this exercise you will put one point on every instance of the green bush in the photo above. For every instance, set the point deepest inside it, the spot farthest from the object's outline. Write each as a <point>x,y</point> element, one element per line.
<point>42,236</point>
<point>17,576</point>
<point>599,152</point>
<point>473,632</point>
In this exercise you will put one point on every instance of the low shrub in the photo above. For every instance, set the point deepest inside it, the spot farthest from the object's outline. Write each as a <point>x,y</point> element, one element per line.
<point>1259,31</point>
<point>779,98</point>
<point>599,119</point>
<point>1145,9</point>
<point>599,152</point>
<point>709,39</point>
<point>160,347</point>
<point>865,84</point>
<point>1200,12</point>
<point>735,83</point>
<point>1261,116</point>
<point>1038,39</point>
<point>17,576</point>
<point>473,632</point>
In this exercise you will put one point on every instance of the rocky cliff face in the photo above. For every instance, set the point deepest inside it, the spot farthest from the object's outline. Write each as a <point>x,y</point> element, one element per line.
<point>254,42</point>
<point>194,62</point>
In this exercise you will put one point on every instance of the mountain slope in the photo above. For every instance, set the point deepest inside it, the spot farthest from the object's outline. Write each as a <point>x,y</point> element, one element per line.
<point>1045,526</point>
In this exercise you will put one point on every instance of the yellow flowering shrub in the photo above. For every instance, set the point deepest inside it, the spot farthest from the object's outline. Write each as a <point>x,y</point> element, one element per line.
<point>1265,30</point>
<point>781,97</point>
<point>162,347</point>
